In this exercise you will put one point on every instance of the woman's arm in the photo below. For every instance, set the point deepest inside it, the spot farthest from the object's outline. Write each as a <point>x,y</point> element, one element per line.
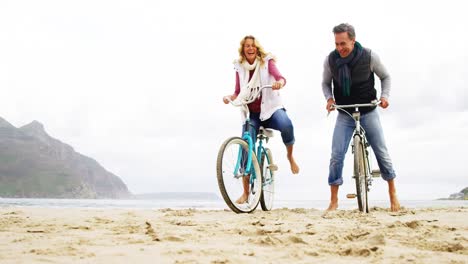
<point>273,70</point>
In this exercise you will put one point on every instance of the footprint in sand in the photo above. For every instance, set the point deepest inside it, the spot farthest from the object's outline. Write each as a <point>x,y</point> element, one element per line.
<point>364,252</point>
<point>297,240</point>
<point>269,241</point>
<point>378,239</point>
<point>413,224</point>
<point>357,235</point>
<point>183,223</point>
<point>13,213</point>
<point>258,223</point>
<point>174,238</point>
<point>150,232</point>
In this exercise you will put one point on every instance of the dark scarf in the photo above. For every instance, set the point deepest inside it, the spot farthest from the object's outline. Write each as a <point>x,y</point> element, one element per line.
<point>344,65</point>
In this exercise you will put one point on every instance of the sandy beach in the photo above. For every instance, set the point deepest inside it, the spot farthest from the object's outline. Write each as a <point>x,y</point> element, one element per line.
<point>77,235</point>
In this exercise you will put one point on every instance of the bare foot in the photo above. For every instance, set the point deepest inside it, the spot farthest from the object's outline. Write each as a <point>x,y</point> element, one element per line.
<point>294,166</point>
<point>242,199</point>
<point>333,206</point>
<point>394,203</point>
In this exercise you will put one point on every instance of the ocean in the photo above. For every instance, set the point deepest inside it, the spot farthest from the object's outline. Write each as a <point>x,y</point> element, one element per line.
<point>210,204</point>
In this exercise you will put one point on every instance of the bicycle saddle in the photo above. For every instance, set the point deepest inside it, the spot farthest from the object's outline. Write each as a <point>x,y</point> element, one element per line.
<point>267,132</point>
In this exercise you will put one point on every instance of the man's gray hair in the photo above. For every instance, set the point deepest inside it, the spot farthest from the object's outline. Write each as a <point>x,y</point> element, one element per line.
<point>345,27</point>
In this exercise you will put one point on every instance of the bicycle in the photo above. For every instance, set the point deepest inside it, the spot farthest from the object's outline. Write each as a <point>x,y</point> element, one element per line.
<point>239,161</point>
<point>363,174</point>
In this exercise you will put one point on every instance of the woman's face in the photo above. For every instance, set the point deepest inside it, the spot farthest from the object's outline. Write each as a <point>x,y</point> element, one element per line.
<point>250,50</point>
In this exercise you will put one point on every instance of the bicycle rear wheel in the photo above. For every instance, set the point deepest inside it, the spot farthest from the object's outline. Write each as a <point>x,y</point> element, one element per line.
<point>360,174</point>
<point>268,186</point>
<point>230,166</point>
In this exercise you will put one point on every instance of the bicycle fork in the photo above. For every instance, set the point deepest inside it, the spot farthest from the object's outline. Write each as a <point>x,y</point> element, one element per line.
<point>244,162</point>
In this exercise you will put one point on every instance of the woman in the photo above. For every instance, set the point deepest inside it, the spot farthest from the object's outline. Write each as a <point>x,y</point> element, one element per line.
<point>255,68</point>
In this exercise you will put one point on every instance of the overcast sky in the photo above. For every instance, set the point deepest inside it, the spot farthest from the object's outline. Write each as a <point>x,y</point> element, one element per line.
<point>137,85</point>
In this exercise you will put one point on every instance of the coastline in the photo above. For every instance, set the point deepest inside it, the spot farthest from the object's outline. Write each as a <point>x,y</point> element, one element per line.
<point>219,204</point>
<point>121,235</point>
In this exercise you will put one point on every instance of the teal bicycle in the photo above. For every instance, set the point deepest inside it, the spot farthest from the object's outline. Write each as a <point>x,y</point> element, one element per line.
<point>240,165</point>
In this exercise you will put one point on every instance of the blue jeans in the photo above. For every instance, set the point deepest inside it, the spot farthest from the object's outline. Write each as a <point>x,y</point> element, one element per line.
<point>342,134</point>
<point>278,121</point>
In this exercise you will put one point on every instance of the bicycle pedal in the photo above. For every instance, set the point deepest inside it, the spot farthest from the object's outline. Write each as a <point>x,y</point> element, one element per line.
<point>375,173</point>
<point>273,167</point>
<point>351,196</point>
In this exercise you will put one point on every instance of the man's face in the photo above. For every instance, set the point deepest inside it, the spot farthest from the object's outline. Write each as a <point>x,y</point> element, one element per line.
<point>344,45</point>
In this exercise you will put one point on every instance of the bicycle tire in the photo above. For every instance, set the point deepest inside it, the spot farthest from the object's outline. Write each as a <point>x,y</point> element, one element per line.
<point>268,181</point>
<point>360,174</point>
<point>230,185</point>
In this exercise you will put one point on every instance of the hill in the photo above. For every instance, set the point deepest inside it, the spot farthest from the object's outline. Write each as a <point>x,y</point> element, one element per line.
<point>462,195</point>
<point>35,165</point>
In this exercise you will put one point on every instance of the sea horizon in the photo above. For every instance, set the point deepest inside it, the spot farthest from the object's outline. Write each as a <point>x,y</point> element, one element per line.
<point>210,204</point>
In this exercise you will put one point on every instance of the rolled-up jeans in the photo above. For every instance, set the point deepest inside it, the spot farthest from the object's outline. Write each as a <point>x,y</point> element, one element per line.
<point>278,121</point>
<point>344,128</point>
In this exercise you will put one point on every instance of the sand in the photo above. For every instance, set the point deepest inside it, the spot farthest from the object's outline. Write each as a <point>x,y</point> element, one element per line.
<point>77,235</point>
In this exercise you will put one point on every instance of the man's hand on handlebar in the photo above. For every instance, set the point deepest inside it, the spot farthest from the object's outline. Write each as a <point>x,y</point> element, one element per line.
<point>383,102</point>
<point>330,104</point>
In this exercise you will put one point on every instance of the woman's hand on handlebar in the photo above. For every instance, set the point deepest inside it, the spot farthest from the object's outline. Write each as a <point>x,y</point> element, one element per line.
<point>228,98</point>
<point>277,85</point>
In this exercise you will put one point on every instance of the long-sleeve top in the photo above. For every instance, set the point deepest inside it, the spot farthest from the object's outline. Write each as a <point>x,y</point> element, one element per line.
<point>254,107</point>
<point>376,67</point>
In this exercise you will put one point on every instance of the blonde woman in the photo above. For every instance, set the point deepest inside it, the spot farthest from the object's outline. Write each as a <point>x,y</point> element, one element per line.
<point>254,68</point>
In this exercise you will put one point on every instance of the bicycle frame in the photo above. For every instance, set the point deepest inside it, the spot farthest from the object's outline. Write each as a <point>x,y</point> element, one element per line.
<point>359,131</point>
<point>248,137</point>
<point>258,151</point>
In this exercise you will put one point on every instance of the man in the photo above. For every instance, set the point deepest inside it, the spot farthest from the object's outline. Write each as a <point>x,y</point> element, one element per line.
<point>348,78</point>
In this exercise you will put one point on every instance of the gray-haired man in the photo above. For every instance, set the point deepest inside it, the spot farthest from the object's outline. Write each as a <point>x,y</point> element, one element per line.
<point>348,78</point>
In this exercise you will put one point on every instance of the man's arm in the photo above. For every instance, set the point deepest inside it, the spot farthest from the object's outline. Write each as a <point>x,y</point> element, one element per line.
<point>385,81</point>
<point>327,85</point>
<point>327,80</point>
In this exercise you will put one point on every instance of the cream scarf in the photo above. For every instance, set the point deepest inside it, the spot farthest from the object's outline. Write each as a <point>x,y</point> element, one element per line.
<point>249,88</point>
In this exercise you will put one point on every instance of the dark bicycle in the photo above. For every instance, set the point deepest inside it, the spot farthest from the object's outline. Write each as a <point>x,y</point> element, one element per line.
<point>363,172</point>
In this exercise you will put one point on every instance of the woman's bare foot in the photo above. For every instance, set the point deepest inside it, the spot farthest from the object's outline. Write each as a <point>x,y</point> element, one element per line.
<point>294,166</point>
<point>292,162</point>
<point>394,203</point>
<point>242,199</point>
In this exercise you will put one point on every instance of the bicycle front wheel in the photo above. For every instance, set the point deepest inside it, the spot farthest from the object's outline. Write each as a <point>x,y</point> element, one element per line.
<point>360,174</point>
<point>230,167</point>
<point>268,186</point>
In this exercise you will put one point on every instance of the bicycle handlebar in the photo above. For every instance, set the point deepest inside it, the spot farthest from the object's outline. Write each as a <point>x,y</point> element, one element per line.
<point>241,102</point>
<point>373,103</point>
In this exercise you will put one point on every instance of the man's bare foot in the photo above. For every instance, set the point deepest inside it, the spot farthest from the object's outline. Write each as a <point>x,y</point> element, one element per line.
<point>242,199</point>
<point>294,166</point>
<point>394,203</point>
<point>333,206</point>
<point>333,197</point>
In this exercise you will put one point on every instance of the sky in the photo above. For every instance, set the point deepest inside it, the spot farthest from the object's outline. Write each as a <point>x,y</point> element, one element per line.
<point>138,85</point>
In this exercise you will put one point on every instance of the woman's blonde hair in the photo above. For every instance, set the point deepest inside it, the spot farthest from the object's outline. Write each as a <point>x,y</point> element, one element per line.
<point>261,54</point>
